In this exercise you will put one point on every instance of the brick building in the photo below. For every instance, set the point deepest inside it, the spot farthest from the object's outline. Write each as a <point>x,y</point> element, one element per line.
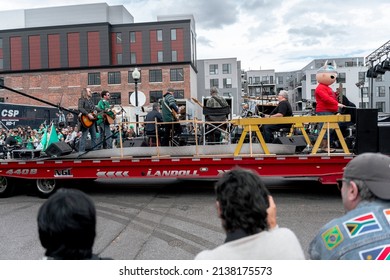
<point>52,53</point>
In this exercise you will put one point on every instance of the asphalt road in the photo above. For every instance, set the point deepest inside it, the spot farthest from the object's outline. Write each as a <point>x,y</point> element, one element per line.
<point>163,219</point>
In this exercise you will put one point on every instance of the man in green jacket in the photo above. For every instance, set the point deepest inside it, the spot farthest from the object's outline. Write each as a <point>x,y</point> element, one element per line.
<point>105,119</point>
<point>170,113</point>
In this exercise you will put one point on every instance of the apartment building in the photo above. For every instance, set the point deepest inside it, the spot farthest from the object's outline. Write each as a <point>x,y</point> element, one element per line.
<point>223,73</point>
<point>52,53</point>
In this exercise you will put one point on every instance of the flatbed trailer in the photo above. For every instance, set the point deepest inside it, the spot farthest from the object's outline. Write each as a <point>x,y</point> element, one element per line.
<point>185,162</point>
<point>49,173</point>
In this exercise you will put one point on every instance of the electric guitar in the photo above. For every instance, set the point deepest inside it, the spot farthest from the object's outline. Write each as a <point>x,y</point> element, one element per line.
<point>197,101</point>
<point>173,112</point>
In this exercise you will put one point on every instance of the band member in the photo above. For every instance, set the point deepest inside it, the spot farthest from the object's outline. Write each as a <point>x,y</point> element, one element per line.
<point>217,123</point>
<point>283,109</point>
<point>87,108</point>
<point>169,111</point>
<point>105,119</point>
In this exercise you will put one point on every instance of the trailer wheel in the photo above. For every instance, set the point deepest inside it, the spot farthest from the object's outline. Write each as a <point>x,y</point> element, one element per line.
<point>7,187</point>
<point>46,187</point>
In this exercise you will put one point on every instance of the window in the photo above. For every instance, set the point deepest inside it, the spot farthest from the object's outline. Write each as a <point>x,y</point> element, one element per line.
<point>250,80</point>
<point>341,78</point>
<point>214,83</point>
<point>174,56</point>
<point>256,80</point>
<point>133,58</point>
<point>279,80</point>
<point>160,56</point>
<point>365,92</point>
<point>119,58</point>
<point>213,69</point>
<point>227,83</point>
<point>226,94</point>
<point>155,76</point>
<point>1,63</point>
<point>265,79</point>
<point>96,98</point>
<point>178,94</point>
<point>363,105</point>
<point>132,37</point>
<point>114,78</point>
<point>173,34</point>
<point>119,38</point>
<point>155,95</point>
<point>362,76</point>
<point>313,79</point>
<point>380,91</point>
<point>177,75</point>
<point>380,106</point>
<point>115,98</point>
<point>226,68</point>
<point>159,35</point>
<point>93,78</point>
<point>130,79</point>
<point>312,94</point>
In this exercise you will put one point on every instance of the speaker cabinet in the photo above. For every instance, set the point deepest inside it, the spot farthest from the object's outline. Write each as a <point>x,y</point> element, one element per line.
<point>383,139</point>
<point>135,142</point>
<point>58,149</point>
<point>297,140</point>
<point>366,131</point>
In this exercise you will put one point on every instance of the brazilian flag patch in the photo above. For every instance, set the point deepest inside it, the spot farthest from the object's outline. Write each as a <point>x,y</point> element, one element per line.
<point>332,237</point>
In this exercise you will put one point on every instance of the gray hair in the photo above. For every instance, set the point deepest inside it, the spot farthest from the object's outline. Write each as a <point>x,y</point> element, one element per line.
<point>284,93</point>
<point>364,191</point>
<point>214,90</point>
<point>155,106</point>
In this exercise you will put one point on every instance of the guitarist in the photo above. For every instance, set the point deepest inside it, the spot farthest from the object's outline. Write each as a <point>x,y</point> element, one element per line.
<point>87,108</point>
<point>169,113</point>
<point>104,120</point>
<point>214,129</point>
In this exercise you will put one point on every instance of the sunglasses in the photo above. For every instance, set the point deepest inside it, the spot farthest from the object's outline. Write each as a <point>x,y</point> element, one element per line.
<point>340,183</point>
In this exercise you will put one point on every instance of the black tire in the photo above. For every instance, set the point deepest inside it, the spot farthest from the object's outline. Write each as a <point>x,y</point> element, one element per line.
<point>7,187</point>
<point>46,187</point>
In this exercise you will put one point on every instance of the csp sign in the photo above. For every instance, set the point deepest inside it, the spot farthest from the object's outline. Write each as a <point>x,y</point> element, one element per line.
<point>9,113</point>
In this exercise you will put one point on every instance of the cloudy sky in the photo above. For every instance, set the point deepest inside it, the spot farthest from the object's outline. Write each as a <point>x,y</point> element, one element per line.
<point>284,35</point>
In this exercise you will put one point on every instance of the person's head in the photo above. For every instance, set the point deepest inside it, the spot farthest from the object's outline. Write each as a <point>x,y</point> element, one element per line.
<point>283,95</point>
<point>242,201</point>
<point>214,91</point>
<point>86,93</point>
<point>67,225</point>
<point>156,106</point>
<point>366,178</point>
<point>105,94</point>
<point>170,90</point>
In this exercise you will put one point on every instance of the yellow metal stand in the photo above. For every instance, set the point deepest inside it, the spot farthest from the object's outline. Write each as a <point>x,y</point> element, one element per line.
<point>330,122</point>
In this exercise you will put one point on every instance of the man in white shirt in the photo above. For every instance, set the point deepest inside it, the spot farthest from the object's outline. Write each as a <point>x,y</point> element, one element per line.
<point>248,215</point>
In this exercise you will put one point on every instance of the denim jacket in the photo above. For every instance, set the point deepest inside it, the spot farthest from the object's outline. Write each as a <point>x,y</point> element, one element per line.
<point>361,234</point>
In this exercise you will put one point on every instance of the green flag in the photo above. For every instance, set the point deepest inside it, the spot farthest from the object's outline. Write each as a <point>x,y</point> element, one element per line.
<point>53,136</point>
<point>44,139</point>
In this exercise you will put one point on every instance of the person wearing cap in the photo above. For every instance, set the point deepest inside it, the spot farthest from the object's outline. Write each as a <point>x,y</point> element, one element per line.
<point>363,233</point>
<point>170,112</point>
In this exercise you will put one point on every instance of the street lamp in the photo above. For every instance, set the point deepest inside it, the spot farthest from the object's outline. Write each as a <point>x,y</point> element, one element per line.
<point>136,75</point>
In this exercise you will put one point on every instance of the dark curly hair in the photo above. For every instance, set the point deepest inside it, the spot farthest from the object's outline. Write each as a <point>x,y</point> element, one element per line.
<point>243,200</point>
